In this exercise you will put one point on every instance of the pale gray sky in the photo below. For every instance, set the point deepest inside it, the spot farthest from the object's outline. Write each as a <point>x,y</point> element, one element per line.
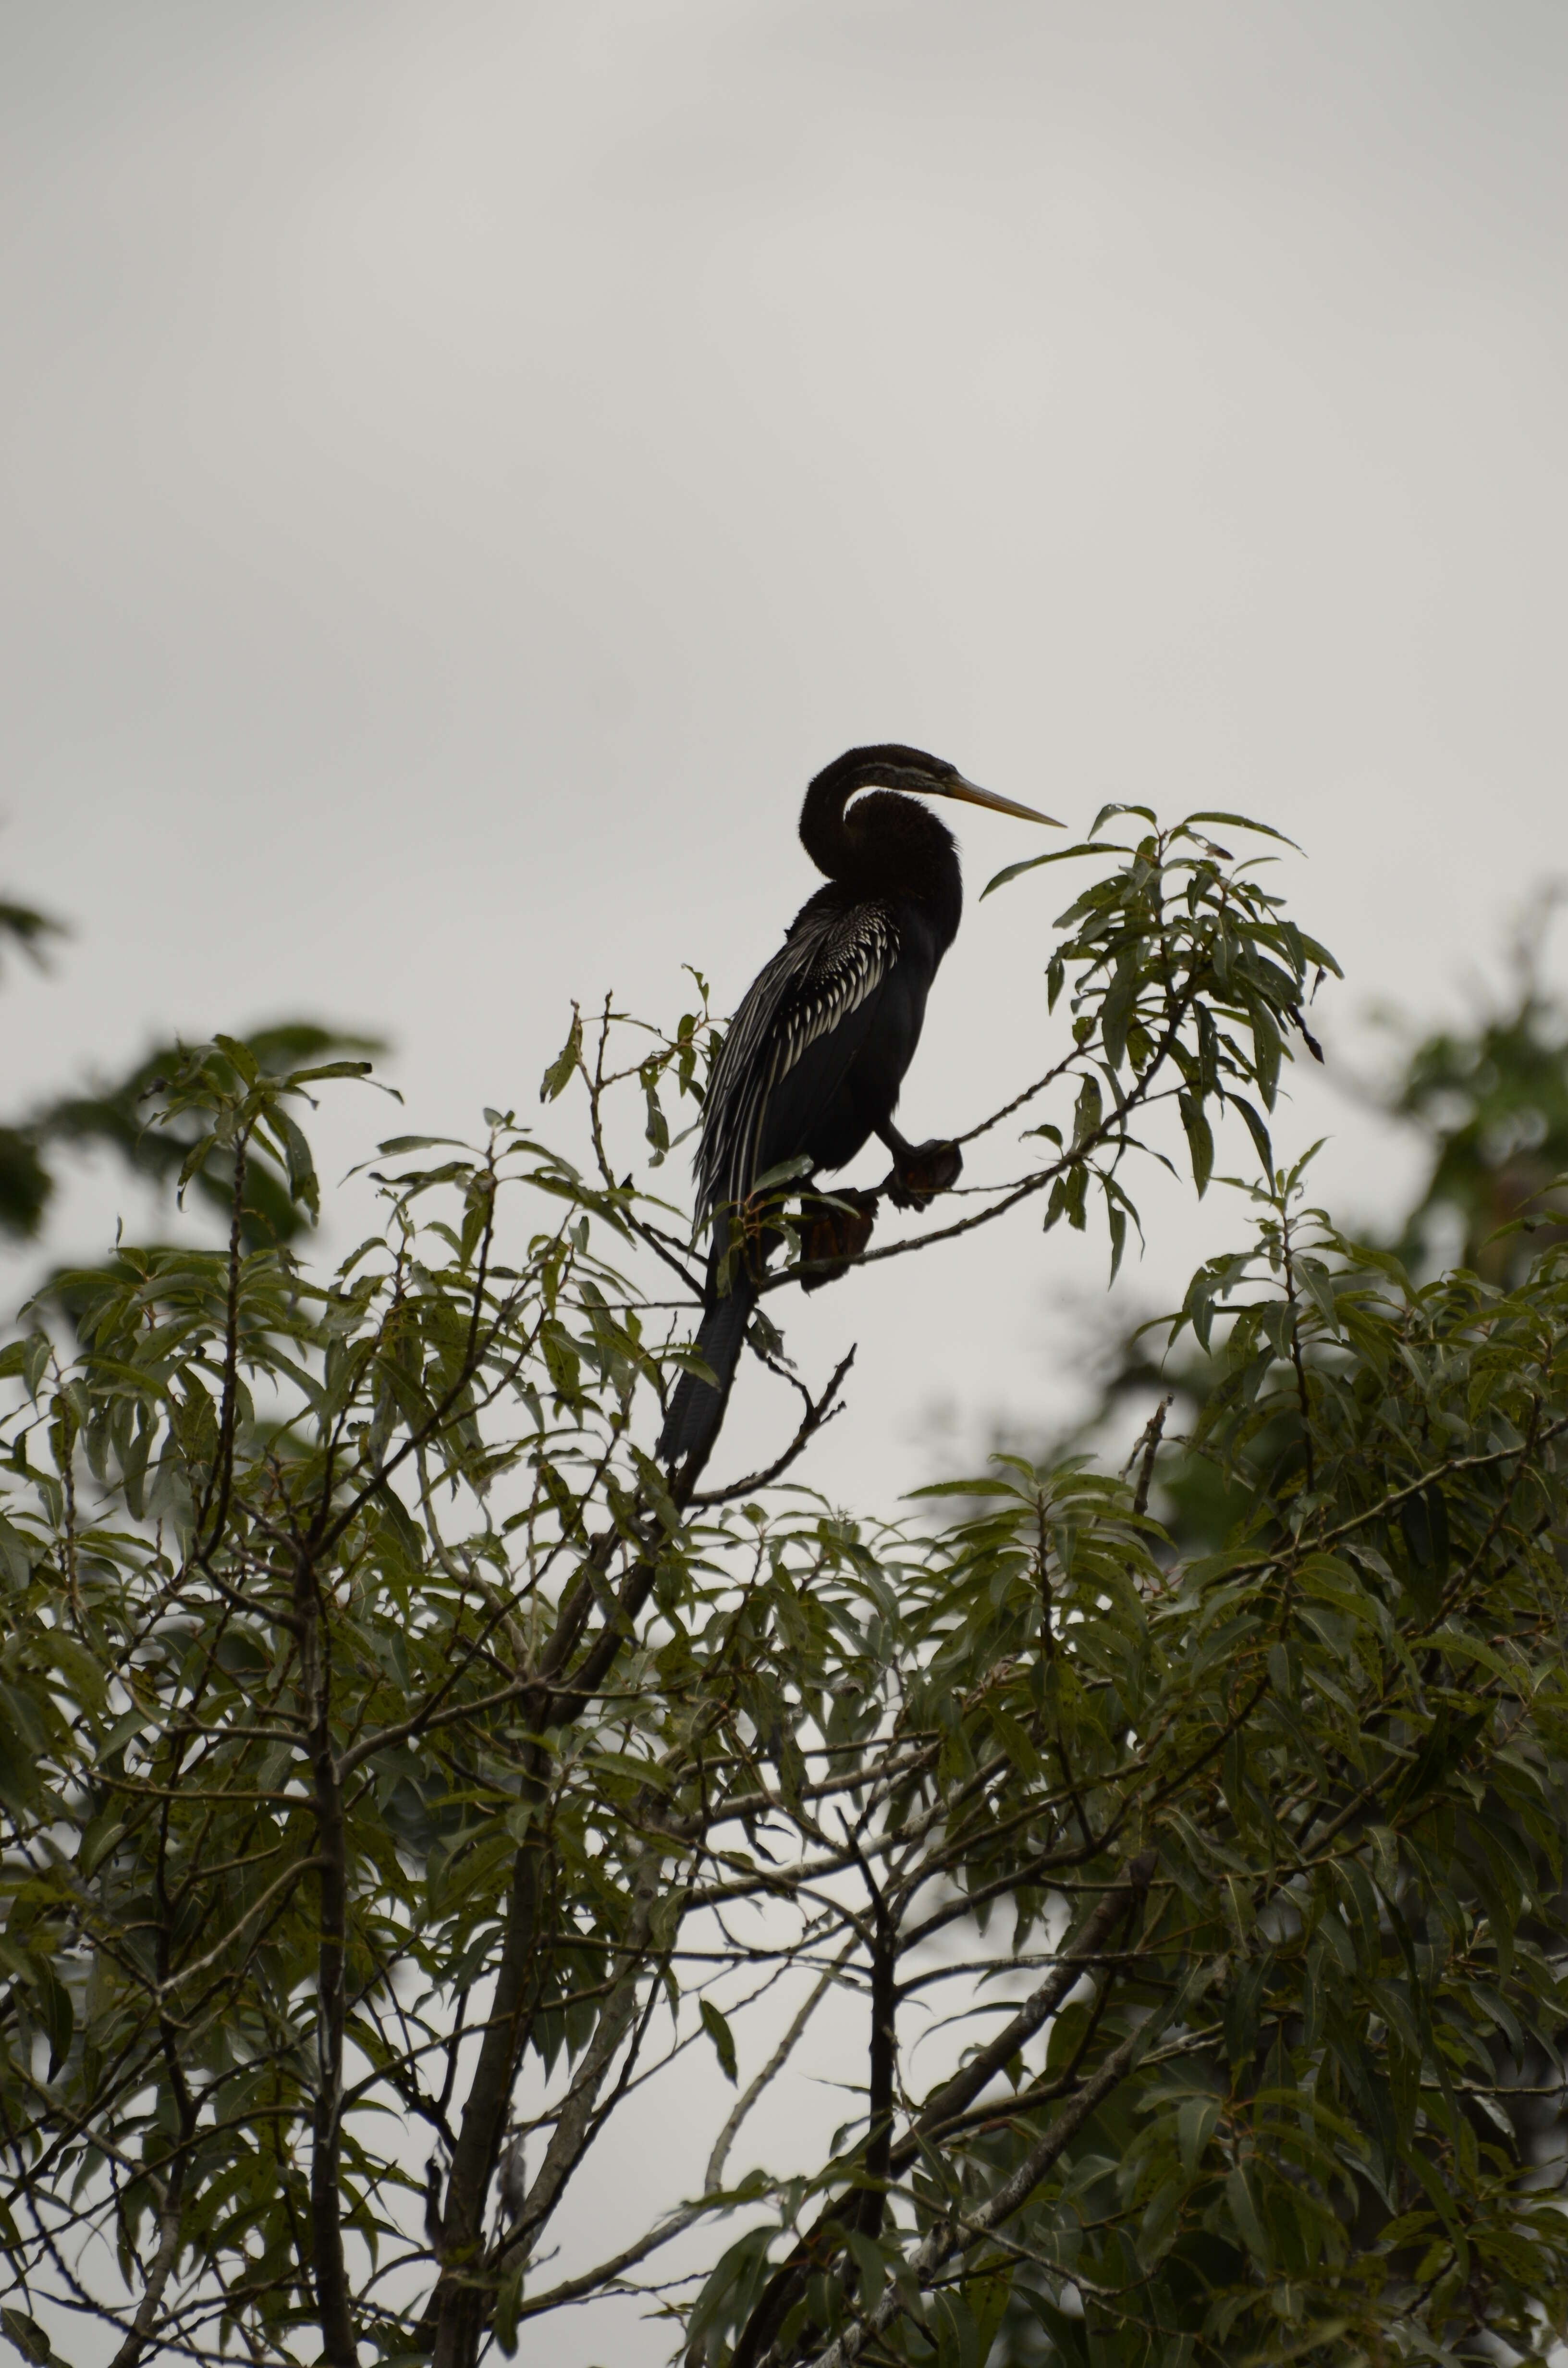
<point>467,465</point>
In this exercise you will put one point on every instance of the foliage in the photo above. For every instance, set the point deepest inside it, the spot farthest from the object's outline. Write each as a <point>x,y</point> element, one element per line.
<point>1492,1103</point>
<point>116,1116</point>
<point>28,930</point>
<point>25,1182</point>
<point>402,1774</point>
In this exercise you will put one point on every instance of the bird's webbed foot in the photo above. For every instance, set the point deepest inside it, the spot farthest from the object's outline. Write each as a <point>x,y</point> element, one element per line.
<point>831,1234</point>
<point>921,1170</point>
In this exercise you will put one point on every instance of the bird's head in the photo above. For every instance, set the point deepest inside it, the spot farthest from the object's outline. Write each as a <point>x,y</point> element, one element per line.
<point>893,767</point>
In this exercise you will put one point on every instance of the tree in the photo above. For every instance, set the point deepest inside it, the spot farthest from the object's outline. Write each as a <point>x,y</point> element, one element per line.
<point>1489,1101</point>
<point>1492,1103</point>
<point>402,1773</point>
<point>117,1116</point>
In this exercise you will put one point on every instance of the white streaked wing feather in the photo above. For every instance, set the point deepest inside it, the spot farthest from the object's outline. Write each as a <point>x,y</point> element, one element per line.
<point>823,971</point>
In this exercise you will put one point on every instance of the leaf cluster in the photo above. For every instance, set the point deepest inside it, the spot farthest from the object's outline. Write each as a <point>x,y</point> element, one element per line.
<point>118,1116</point>
<point>400,1772</point>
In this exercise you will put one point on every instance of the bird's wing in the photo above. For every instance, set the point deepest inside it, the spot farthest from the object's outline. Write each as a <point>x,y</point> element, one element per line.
<point>832,962</point>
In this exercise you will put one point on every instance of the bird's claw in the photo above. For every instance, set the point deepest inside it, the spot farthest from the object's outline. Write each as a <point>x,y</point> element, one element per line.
<point>832,1232</point>
<point>835,1232</point>
<point>923,1171</point>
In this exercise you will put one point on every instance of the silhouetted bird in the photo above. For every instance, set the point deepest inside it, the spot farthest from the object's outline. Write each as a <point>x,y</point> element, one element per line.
<point>816,1054</point>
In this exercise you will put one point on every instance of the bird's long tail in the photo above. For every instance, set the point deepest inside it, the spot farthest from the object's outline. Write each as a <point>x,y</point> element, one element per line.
<point>698,1409</point>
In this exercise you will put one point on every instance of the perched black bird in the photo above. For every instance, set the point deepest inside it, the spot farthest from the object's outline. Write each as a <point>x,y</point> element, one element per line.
<point>816,1054</point>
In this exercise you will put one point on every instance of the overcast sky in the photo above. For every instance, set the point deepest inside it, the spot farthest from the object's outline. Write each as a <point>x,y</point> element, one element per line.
<point>467,465</point>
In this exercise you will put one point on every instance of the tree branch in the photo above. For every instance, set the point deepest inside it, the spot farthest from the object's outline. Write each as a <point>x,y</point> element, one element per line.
<point>327,2267</point>
<point>714,2177</point>
<point>945,2238</point>
<point>819,1411</point>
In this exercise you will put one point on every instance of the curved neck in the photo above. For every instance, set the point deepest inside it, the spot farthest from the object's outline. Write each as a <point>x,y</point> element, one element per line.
<point>887,843</point>
<point>824,831</point>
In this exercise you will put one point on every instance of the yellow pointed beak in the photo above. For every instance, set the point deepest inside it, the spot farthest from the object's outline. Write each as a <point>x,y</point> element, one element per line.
<point>978,797</point>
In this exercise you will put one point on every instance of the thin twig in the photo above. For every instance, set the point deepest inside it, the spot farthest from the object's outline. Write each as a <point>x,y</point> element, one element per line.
<point>818,1412</point>
<point>1149,1442</point>
<point>714,2177</point>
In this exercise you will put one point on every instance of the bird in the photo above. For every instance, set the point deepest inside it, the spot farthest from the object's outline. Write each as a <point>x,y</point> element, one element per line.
<point>815,1055</point>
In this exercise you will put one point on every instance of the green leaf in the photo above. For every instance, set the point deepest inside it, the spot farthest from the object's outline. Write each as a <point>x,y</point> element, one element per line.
<point>37,1350</point>
<point>1266,1050</point>
<point>1116,1221</point>
<point>559,1075</point>
<point>509,2304</point>
<point>627,1764</point>
<point>239,1055</point>
<point>1144,814</point>
<point>1242,822</point>
<point>58,2013</point>
<point>1196,2119</point>
<point>1200,1141</point>
<point>786,1172</point>
<point>1241,2197</point>
<point>28,927</point>
<point>1087,1115</point>
<point>330,1069</point>
<point>1067,2029</point>
<point>17,1552</point>
<point>1257,1129</point>
<point>98,1841</point>
<point>718,2032</point>
<point>195,1160</point>
<point>1033,863</point>
<point>965,1488</point>
<point>28,2336</point>
<point>1424,1519</point>
<point>303,1184</point>
<point>1014,1741</point>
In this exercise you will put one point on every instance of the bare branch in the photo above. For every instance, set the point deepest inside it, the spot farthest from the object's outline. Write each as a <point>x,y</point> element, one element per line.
<point>714,2177</point>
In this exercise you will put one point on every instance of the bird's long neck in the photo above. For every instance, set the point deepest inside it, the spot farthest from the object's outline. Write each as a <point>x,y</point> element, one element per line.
<point>886,844</point>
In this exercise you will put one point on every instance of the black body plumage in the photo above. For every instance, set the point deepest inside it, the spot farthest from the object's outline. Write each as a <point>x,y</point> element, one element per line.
<point>816,1054</point>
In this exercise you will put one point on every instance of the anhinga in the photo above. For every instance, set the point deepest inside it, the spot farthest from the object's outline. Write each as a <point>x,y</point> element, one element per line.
<point>816,1053</point>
